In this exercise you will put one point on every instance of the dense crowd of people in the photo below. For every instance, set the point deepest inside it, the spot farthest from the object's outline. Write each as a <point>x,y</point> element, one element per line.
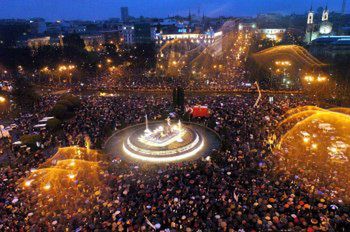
<point>235,189</point>
<point>151,82</point>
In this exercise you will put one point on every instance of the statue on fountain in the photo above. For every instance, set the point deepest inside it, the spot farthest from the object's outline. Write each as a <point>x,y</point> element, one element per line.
<point>163,135</point>
<point>168,129</point>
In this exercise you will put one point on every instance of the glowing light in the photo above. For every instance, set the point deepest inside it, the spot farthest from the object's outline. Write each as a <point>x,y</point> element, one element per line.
<point>47,186</point>
<point>71,176</point>
<point>321,79</point>
<point>28,183</point>
<point>309,78</point>
<point>72,163</point>
<point>45,69</point>
<point>164,159</point>
<point>283,63</point>
<point>333,149</point>
<point>2,99</point>
<point>157,138</point>
<point>165,152</point>
<point>306,139</point>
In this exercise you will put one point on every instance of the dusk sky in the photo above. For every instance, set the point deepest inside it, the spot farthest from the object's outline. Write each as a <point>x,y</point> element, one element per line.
<point>104,9</point>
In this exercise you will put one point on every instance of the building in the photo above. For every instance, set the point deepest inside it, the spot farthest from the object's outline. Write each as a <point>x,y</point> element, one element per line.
<point>269,20</point>
<point>128,33</point>
<point>144,33</point>
<point>93,42</point>
<point>205,38</point>
<point>326,26</point>
<point>275,34</point>
<point>37,26</point>
<point>35,43</point>
<point>112,36</point>
<point>310,27</point>
<point>124,12</point>
<point>313,30</point>
<point>247,26</point>
<point>330,47</point>
<point>343,7</point>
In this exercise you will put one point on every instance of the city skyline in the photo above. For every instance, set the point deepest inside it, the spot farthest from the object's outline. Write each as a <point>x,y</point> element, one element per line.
<point>104,9</point>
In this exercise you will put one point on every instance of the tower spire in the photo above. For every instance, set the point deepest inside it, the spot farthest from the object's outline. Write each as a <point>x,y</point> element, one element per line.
<point>310,17</point>
<point>312,2</point>
<point>325,14</point>
<point>343,7</point>
<point>309,26</point>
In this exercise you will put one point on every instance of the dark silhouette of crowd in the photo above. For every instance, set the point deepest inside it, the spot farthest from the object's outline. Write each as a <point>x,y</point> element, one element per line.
<point>235,189</point>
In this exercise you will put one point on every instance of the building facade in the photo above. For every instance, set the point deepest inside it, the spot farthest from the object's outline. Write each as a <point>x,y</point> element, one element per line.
<point>124,12</point>
<point>313,30</point>
<point>275,34</point>
<point>206,38</point>
<point>128,32</point>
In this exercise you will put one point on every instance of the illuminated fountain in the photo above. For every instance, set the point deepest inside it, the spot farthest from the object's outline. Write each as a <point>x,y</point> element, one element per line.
<point>66,180</point>
<point>161,136</point>
<point>160,142</point>
<point>315,148</point>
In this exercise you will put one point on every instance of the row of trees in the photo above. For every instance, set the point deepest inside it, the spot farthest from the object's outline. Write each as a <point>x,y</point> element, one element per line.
<point>63,110</point>
<point>88,63</point>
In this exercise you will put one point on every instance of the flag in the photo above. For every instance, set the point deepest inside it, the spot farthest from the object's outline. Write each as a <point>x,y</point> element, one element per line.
<point>235,196</point>
<point>200,111</point>
<point>150,224</point>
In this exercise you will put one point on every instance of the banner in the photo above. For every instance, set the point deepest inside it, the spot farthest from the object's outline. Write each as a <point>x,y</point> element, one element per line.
<point>200,111</point>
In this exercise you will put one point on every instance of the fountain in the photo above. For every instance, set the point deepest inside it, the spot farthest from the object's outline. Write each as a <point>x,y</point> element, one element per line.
<point>160,142</point>
<point>161,136</point>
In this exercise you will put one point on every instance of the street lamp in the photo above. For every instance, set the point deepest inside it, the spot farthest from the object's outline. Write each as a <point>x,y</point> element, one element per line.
<point>2,99</point>
<point>309,78</point>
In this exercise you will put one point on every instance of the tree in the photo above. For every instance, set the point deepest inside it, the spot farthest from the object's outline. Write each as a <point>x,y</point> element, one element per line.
<point>53,124</point>
<point>65,107</point>
<point>11,58</point>
<point>74,40</point>
<point>10,33</point>
<point>30,140</point>
<point>60,111</point>
<point>24,93</point>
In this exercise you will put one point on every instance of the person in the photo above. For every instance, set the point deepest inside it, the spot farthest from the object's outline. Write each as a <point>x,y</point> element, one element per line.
<point>233,190</point>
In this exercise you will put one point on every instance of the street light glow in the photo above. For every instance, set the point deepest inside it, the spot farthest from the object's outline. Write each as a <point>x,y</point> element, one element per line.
<point>2,99</point>
<point>47,186</point>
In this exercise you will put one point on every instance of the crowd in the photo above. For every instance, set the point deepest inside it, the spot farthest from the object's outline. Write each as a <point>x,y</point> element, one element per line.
<point>235,81</point>
<point>235,189</point>
<point>159,83</point>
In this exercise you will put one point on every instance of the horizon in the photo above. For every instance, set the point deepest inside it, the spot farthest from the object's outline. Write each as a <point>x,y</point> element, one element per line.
<point>106,9</point>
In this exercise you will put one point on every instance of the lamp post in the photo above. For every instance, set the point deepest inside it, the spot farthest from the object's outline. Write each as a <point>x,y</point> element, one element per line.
<point>2,101</point>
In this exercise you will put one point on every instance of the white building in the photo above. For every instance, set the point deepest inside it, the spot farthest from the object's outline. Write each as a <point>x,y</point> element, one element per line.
<point>35,43</point>
<point>206,38</point>
<point>275,34</point>
<point>128,33</point>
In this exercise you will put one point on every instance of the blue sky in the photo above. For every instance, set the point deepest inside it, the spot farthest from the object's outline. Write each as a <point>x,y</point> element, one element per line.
<point>104,9</point>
